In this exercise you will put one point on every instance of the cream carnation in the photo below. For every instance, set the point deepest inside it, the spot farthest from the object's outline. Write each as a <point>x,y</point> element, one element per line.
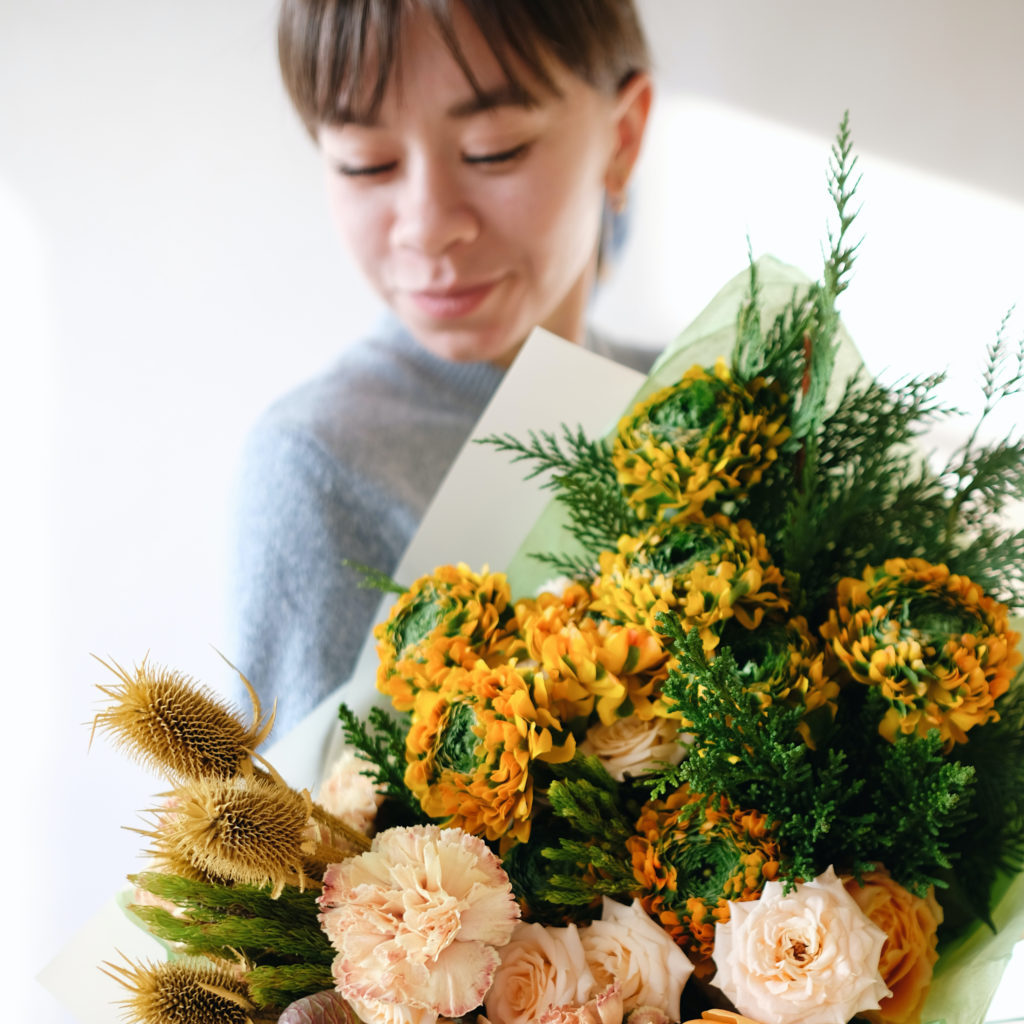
<point>632,746</point>
<point>377,1011</point>
<point>541,969</point>
<point>349,794</point>
<point>808,957</point>
<point>625,945</point>
<point>416,920</point>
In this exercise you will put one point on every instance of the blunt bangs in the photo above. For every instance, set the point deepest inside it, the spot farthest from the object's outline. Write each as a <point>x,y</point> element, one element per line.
<point>338,56</point>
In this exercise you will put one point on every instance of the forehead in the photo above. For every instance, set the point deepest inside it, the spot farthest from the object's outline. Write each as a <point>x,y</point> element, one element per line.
<point>451,61</point>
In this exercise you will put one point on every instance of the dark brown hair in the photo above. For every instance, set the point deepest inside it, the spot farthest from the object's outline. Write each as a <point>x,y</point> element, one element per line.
<point>338,54</point>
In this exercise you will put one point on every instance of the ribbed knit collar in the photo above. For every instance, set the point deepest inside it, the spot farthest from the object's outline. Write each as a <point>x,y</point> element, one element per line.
<point>477,380</point>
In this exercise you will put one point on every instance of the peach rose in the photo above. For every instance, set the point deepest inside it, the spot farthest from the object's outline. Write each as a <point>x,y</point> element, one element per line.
<point>911,926</point>
<point>349,794</point>
<point>417,920</point>
<point>625,945</point>
<point>631,746</point>
<point>806,957</point>
<point>541,969</point>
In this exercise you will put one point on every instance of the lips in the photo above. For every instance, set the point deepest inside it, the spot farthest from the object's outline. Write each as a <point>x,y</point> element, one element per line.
<point>451,303</point>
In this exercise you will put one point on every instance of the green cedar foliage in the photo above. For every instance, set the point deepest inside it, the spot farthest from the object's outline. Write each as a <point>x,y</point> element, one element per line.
<point>380,741</point>
<point>581,474</point>
<point>577,850</point>
<point>993,841</point>
<point>854,802</point>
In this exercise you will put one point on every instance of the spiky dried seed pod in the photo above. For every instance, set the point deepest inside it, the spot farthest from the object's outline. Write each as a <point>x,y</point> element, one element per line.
<point>170,723</point>
<point>186,991</point>
<point>249,831</point>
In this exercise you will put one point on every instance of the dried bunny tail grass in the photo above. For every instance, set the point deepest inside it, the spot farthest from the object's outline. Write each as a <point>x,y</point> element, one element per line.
<point>186,991</point>
<point>170,723</point>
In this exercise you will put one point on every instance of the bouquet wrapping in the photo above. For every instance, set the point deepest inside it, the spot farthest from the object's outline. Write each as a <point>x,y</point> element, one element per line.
<point>737,733</point>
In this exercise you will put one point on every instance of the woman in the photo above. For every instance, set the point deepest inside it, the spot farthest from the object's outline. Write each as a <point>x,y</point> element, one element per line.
<point>472,149</point>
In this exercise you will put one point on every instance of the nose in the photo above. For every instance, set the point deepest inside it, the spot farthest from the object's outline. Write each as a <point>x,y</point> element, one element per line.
<point>432,212</point>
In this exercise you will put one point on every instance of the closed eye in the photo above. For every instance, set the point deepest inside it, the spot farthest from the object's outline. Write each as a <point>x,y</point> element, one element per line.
<point>502,157</point>
<point>355,171</point>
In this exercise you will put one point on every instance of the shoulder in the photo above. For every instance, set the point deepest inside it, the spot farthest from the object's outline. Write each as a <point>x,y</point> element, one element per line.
<point>371,436</point>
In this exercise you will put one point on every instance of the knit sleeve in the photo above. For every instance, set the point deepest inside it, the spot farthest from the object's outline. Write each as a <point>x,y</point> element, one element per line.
<point>300,615</point>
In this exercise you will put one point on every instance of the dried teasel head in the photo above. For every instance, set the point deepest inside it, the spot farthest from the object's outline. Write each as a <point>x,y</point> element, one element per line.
<point>172,724</point>
<point>186,991</point>
<point>251,831</point>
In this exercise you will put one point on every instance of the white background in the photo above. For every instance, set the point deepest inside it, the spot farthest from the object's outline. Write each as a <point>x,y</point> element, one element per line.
<point>167,268</point>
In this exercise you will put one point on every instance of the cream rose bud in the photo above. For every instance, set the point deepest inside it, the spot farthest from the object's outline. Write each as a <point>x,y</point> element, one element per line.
<point>626,946</point>
<point>806,957</point>
<point>630,746</point>
<point>541,969</point>
<point>348,793</point>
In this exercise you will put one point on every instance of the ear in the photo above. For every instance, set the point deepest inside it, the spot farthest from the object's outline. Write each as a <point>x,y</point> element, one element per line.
<point>632,107</point>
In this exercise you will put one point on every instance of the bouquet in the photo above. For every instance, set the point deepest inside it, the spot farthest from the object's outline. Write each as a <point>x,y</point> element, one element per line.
<point>752,752</point>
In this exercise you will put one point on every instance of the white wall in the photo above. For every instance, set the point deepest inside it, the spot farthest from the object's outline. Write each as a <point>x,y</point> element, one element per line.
<point>166,268</point>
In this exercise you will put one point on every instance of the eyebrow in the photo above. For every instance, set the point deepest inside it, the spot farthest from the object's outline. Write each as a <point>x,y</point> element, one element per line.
<point>482,100</point>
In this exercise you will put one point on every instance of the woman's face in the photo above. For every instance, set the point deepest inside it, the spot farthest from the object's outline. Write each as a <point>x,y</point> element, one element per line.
<point>475,222</point>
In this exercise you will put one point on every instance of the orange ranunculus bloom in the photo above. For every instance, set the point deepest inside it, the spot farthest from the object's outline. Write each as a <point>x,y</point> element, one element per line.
<point>938,649</point>
<point>723,853</point>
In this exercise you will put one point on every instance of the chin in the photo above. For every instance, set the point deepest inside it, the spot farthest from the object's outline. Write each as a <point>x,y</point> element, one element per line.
<point>469,346</point>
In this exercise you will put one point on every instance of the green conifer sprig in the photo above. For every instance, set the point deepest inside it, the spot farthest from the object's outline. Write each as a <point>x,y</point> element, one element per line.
<point>865,493</point>
<point>842,187</point>
<point>609,874</point>
<point>798,349</point>
<point>580,472</point>
<point>921,800</point>
<point>530,871</point>
<point>824,802</point>
<point>592,817</point>
<point>994,840</point>
<point>995,561</point>
<point>983,479</point>
<point>380,741</point>
<point>373,579</point>
<point>735,736</point>
<point>591,811</point>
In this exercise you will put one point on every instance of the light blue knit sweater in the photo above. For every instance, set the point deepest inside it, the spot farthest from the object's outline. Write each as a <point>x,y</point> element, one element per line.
<point>343,468</point>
